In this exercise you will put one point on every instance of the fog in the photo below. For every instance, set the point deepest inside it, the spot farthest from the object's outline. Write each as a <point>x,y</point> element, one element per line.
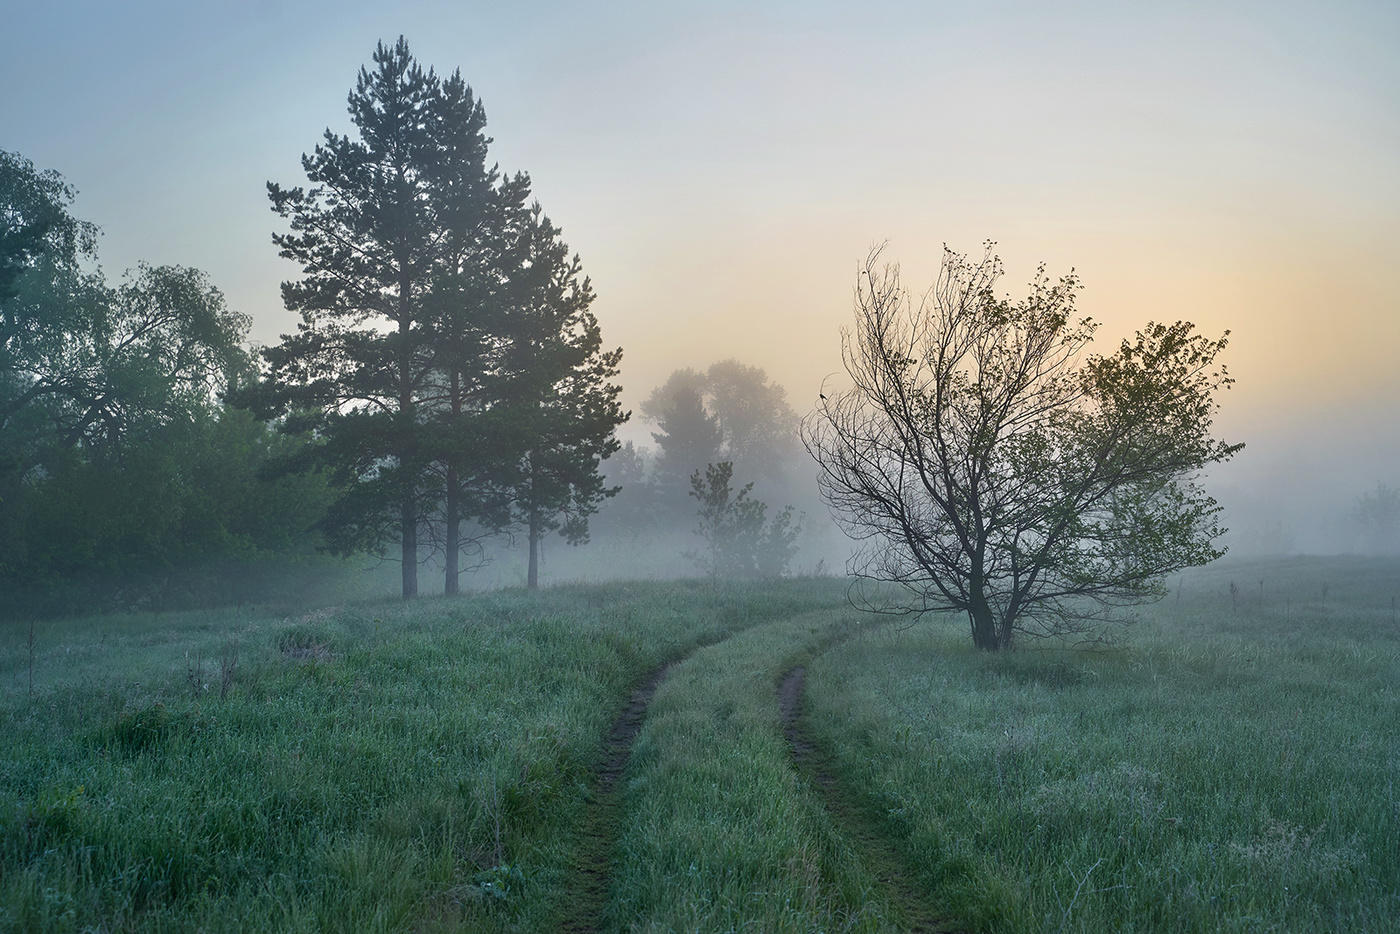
<point>721,173</point>
<point>1295,487</point>
<point>1293,490</point>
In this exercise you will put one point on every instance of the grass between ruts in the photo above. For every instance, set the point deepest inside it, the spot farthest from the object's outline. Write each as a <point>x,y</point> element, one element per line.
<point>373,767</point>
<point>1233,767</point>
<point>719,833</point>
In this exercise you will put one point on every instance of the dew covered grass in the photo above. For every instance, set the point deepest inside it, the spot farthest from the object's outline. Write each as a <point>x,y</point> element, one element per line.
<point>366,767</point>
<point>721,833</point>
<point>1232,765</point>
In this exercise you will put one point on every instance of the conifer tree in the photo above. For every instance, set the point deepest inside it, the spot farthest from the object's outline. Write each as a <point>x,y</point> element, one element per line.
<point>689,439</point>
<point>446,357</point>
<point>382,226</point>
<point>562,405</point>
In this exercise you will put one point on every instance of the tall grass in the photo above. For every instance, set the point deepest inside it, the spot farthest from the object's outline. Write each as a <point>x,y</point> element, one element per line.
<point>1233,766</point>
<point>369,767</point>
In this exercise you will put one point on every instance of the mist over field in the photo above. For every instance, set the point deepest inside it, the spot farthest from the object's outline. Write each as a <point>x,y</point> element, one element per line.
<point>722,173</point>
<point>783,466</point>
<point>1297,489</point>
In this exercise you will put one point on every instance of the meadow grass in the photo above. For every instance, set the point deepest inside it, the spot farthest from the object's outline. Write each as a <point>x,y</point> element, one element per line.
<point>721,833</point>
<point>1231,766</point>
<point>368,767</point>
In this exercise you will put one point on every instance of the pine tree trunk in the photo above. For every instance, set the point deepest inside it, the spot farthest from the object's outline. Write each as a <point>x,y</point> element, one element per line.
<point>409,523</point>
<point>453,533</point>
<point>532,577</point>
<point>532,580</point>
<point>409,515</point>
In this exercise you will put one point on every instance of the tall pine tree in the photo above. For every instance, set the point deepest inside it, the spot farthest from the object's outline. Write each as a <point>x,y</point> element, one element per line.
<point>563,407</point>
<point>373,238</point>
<point>471,444</point>
<point>446,358</point>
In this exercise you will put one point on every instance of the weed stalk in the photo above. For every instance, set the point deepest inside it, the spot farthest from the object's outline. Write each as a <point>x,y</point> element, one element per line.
<point>228,661</point>
<point>194,675</point>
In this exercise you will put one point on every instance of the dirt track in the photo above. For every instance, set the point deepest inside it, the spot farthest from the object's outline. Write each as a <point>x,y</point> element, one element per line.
<point>587,896</point>
<point>907,902</point>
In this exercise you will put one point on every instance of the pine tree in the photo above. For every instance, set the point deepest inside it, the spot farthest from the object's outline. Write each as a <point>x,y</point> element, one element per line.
<point>563,408</point>
<point>689,438</point>
<point>472,446</point>
<point>446,356</point>
<point>387,222</point>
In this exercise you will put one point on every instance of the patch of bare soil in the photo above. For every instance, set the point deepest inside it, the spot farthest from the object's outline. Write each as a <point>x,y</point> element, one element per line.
<point>908,904</point>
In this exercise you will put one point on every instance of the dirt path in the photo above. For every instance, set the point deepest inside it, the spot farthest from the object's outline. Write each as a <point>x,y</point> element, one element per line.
<point>586,896</point>
<point>908,905</point>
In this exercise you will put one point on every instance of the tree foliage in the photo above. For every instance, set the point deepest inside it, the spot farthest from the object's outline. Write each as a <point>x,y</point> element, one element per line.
<point>991,469</point>
<point>123,478</point>
<point>373,237</point>
<point>739,539</point>
<point>447,358</point>
<point>689,437</point>
<point>1376,516</point>
<point>36,227</point>
<point>94,365</point>
<point>752,424</point>
<point>559,394</point>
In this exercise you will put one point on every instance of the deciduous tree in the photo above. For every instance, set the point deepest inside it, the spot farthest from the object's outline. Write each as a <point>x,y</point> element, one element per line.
<point>989,470</point>
<point>756,426</point>
<point>1376,516</point>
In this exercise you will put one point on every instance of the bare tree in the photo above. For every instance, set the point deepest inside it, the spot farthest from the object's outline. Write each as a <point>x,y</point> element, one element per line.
<point>988,470</point>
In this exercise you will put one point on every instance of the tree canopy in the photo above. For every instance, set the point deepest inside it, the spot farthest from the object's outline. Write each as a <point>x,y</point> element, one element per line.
<point>740,541</point>
<point>689,437</point>
<point>122,474</point>
<point>446,356</point>
<point>753,425</point>
<point>559,397</point>
<point>990,468</point>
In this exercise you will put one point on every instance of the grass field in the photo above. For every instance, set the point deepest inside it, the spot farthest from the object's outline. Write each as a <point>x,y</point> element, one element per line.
<point>1230,765</point>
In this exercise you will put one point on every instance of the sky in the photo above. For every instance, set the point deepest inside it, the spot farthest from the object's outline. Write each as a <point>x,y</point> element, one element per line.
<point>723,168</point>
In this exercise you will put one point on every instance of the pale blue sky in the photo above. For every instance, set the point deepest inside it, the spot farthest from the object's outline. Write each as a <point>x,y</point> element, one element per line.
<point>722,167</point>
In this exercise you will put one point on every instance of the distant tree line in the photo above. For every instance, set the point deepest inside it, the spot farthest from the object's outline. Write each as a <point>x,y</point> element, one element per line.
<point>720,432</point>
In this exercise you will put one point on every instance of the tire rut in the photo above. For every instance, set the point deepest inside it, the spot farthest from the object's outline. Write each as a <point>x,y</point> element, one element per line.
<point>910,909</point>
<point>586,893</point>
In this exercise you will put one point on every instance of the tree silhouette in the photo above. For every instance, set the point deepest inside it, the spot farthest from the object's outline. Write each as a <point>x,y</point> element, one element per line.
<point>757,427</point>
<point>739,541</point>
<point>988,472</point>
<point>560,403</point>
<point>1376,516</point>
<point>689,438</point>
<point>388,221</point>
